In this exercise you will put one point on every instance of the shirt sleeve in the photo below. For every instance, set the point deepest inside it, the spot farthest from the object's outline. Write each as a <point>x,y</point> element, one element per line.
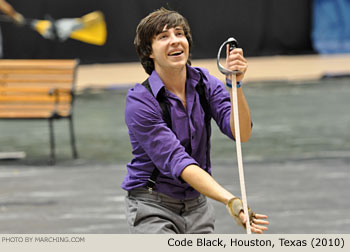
<point>220,104</point>
<point>144,119</point>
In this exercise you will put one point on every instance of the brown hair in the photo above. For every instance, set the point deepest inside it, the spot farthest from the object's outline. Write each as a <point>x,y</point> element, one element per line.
<point>153,25</point>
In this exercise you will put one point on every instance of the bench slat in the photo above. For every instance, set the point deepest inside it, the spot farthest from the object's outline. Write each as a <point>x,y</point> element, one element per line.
<point>48,81</point>
<point>31,107</point>
<point>34,98</point>
<point>37,63</point>
<point>29,115</point>
<point>5,71</point>
<point>35,89</point>
<point>38,85</point>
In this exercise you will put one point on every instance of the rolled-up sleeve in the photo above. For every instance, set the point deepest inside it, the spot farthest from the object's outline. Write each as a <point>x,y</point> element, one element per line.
<point>144,120</point>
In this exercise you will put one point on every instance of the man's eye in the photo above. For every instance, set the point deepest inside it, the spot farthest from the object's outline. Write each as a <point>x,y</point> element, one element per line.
<point>180,34</point>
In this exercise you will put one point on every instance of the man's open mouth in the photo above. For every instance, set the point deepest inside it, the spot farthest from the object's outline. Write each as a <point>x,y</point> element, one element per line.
<point>175,53</point>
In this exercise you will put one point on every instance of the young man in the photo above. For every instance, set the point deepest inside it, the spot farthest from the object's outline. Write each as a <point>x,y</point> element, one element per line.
<point>174,200</point>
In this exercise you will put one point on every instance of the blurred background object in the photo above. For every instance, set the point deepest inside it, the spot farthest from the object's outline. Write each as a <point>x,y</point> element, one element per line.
<point>90,28</point>
<point>331,26</point>
<point>12,14</point>
<point>269,27</point>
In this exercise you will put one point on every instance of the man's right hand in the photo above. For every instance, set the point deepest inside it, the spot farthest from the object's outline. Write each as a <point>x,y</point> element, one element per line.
<point>235,208</point>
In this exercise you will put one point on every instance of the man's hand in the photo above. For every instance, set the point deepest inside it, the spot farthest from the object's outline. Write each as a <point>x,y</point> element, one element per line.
<point>18,19</point>
<point>8,10</point>
<point>235,208</point>
<point>236,61</point>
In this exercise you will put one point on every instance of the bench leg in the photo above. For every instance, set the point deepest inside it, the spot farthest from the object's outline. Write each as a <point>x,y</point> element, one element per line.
<point>52,159</point>
<point>72,138</point>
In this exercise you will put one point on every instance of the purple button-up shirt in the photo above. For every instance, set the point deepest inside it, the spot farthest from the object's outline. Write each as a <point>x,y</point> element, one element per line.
<point>155,145</point>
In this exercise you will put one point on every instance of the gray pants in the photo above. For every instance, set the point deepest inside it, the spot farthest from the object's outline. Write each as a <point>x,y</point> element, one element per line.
<point>156,213</point>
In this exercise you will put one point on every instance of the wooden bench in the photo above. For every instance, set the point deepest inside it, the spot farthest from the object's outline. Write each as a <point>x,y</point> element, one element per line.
<point>39,89</point>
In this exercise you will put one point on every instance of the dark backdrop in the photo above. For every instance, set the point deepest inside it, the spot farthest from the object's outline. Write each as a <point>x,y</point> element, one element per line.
<point>262,27</point>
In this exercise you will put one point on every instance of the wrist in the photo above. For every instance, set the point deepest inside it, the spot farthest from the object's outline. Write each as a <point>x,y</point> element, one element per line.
<point>229,83</point>
<point>235,206</point>
<point>227,197</point>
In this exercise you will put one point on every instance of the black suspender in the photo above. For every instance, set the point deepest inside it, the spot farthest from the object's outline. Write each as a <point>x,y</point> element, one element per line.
<point>167,119</point>
<point>205,106</point>
<point>162,102</point>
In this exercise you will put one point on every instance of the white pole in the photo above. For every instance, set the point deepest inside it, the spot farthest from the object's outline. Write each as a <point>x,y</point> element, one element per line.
<point>234,105</point>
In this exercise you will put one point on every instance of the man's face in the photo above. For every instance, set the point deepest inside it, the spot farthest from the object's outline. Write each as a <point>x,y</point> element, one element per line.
<point>170,49</point>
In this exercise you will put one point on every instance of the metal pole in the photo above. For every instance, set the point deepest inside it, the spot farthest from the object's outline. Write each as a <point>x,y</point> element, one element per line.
<point>52,160</point>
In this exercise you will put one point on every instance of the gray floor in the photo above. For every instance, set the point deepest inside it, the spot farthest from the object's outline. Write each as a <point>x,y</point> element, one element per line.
<point>296,164</point>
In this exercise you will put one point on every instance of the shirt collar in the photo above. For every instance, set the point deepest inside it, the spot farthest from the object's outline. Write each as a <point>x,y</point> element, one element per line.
<point>193,77</point>
<point>156,83</point>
